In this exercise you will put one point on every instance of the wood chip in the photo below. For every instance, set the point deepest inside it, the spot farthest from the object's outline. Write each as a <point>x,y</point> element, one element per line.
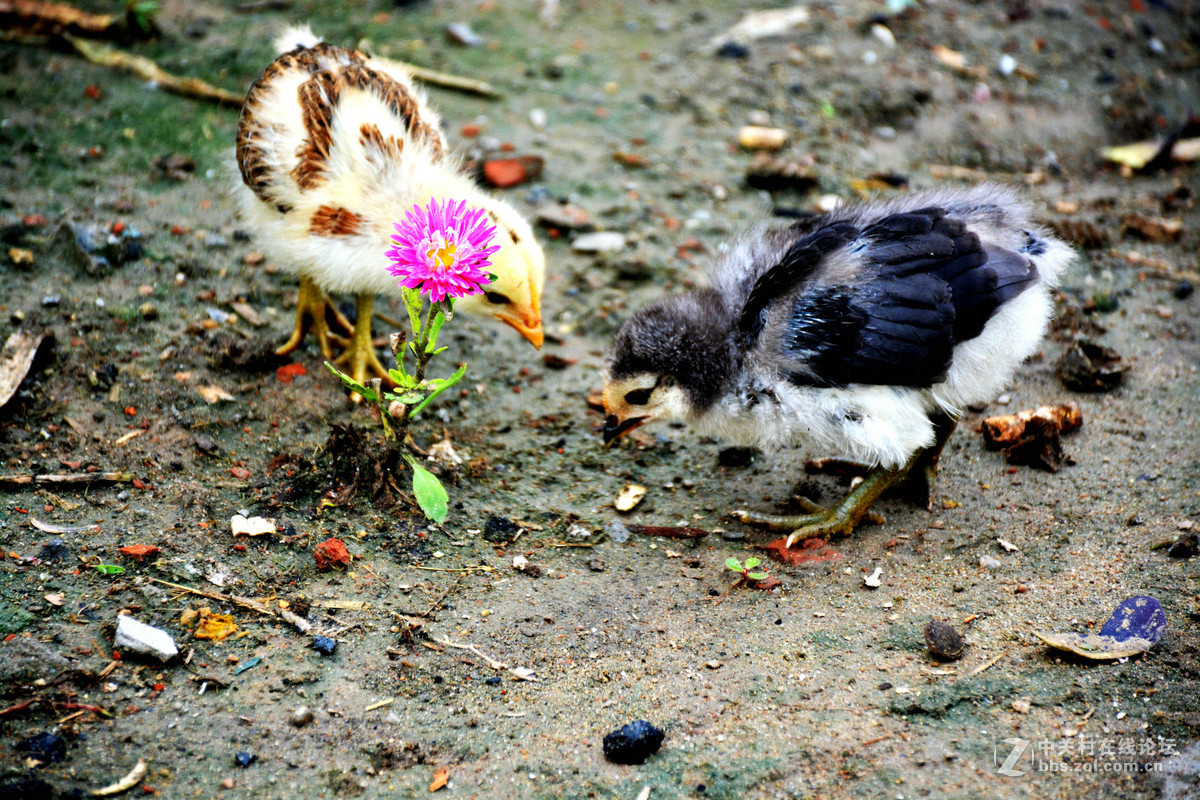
<point>15,361</point>
<point>214,394</point>
<point>441,776</point>
<point>248,313</point>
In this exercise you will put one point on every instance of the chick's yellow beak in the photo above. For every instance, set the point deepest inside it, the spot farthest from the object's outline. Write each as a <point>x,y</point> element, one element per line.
<point>528,325</point>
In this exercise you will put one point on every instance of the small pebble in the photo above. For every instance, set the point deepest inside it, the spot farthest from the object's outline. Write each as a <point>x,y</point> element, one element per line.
<point>302,716</point>
<point>733,50</point>
<point>884,34</point>
<point>989,562</point>
<point>325,645</point>
<point>943,640</point>
<point>1008,65</point>
<point>1183,290</point>
<point>633,743</point>
<point>245,759</point>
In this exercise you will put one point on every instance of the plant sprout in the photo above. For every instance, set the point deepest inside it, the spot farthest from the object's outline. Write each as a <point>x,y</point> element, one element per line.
<point>440,254</point>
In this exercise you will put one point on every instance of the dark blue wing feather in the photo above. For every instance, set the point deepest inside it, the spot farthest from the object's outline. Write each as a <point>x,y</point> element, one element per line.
<point>926,284</point>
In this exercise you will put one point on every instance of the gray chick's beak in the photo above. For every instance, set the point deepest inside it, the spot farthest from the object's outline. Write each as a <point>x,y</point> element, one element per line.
<point>615,428</point>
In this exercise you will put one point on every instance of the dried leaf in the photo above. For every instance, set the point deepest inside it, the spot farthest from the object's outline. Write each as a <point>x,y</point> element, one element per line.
<point>441,776</point>
<point>215,627</point>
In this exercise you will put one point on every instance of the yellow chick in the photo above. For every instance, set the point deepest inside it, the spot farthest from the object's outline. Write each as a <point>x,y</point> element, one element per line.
<point>334,146</point>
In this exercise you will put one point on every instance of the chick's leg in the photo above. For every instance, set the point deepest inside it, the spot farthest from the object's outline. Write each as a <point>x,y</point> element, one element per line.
<point>843,518</point>
<point>311,308</point>
<point>360,357</point>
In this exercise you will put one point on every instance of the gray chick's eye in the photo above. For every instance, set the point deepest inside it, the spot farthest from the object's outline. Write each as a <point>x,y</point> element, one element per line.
<point>638,397</point>
<point>497,299</point>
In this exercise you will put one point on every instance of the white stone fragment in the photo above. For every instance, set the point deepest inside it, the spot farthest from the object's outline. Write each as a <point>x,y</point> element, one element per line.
<point>146,639</point>
<point>251,526</point>
<point>601,242</point>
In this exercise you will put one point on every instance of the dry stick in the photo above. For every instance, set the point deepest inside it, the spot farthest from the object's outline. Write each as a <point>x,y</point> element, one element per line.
<point>33,18</point>
<point>245,602</point>
<point>146,69</point>
<point>448,81</point>
<point>77,479</point>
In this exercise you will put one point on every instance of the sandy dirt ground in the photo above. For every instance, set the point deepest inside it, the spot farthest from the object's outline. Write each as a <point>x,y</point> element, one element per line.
<point>820,687</point>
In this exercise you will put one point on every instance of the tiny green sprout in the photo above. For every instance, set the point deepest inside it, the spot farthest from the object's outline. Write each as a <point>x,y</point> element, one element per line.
<point>733,564</point>
<point>108,569</point>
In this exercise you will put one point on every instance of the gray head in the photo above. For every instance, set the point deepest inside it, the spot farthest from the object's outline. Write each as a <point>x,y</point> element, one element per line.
<point>673,359</point>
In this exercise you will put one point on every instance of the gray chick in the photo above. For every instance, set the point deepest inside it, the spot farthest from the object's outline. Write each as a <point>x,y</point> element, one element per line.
<point>864,332</point>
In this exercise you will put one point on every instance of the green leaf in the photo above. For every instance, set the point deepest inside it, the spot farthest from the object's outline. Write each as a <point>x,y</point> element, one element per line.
<point>367,392</point>
<point>108,569</point>
<point>453,379</point>
<point>413,302</point>
<point>431,495</point>
<point>753,562</point>
<point>408,398</point>
<point>402,379</point>
<point>733,564</point>
<point>435,325</point>
<point>756,576</point>
<point>441,350</point>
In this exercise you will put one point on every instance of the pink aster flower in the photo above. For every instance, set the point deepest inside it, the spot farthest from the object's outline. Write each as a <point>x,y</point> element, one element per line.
<point>442,250</point>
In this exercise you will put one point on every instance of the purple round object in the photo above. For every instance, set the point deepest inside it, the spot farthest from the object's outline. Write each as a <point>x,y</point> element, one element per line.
<point>1140,617</point>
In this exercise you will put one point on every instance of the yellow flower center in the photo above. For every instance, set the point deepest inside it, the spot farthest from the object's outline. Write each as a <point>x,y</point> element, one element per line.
<point>440,252</point>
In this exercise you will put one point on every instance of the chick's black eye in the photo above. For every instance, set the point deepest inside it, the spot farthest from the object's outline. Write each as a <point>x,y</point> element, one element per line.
<point>496,298</point>
<point>638,397</point>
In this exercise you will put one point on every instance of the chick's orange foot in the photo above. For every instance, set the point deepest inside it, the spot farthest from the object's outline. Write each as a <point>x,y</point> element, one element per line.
<point>841,520</point>
<point>315,312</point>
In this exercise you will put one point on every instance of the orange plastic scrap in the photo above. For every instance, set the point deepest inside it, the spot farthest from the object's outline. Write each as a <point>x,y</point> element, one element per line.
<point>140,551</point>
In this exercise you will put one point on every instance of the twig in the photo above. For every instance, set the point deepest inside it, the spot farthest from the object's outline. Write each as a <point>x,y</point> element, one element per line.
<point>76,479</point>
<point>146,69</point>
<point>245,602</point>
<point>459,570</point>
<point>437,603</point>
<point>380,704</point>
<point>448,81</point>
<point>570,544</point>
<point>986,664</point>
<point>876,740</point>
<point>491,662</point>
<point>18,707</point>
<point>33,18</point>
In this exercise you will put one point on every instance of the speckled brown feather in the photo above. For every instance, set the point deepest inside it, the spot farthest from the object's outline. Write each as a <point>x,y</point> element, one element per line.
<point>375,144</point>
<point>398,99</point>
<point>330,221</point>
<point>318,95</point>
